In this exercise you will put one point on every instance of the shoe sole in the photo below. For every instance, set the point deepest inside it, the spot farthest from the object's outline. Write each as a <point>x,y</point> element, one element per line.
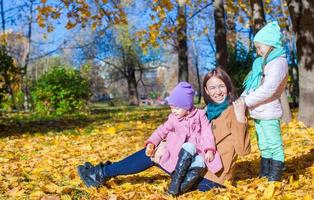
<point>79,168</point>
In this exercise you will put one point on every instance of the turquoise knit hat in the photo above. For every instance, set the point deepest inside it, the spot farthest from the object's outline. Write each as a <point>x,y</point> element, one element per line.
<point>270,35</point>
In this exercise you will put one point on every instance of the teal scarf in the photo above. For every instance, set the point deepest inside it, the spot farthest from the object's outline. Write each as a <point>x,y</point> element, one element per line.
<point>253,79</point>
<point>214,110</point>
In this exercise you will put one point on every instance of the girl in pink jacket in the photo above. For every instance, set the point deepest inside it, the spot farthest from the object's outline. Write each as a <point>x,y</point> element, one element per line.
<point>185,142</point>
<point>183,146</point>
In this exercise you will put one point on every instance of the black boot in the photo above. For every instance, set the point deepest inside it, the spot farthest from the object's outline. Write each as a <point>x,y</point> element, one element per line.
<point>276,170</point>
<point>264,167</point>
<point>89,165</point>
<point>93,175</point>
<point>183,164</point>
<point>191,178</point>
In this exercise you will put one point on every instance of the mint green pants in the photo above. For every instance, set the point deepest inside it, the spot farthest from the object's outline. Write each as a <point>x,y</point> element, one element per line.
<point>269,139</point>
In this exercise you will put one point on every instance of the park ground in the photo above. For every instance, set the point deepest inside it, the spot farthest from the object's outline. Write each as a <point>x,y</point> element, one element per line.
<point>39,155</point>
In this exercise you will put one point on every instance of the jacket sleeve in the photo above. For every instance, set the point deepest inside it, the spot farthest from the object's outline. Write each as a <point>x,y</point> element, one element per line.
<point>208,144</point>
<point>240,136</point>
<point>277,72</point>
<point>161,132</point>
<point>207,140</point>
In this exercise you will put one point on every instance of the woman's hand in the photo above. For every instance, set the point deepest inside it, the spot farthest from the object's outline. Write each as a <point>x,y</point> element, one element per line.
<point>150,150</point>
<point>239,109</point>
<point>209,156</point>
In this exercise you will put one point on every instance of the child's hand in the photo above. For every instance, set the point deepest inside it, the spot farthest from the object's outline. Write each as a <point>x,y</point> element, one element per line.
<point>239,109</point>
<point>150,150</point>
<point>209,156</point>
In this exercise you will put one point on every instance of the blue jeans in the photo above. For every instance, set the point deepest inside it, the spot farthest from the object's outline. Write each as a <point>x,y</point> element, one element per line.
<point>139,162</point>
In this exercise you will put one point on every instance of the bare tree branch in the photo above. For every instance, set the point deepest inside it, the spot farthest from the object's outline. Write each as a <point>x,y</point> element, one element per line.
<point>200,10</point>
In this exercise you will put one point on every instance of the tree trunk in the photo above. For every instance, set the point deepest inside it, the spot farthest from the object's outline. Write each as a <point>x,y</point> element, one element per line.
<point>182,44</point>
<point>133,94</point>
<point>231,25</point>
<point>302,17</point>
<point>220,34</point>
<point>132,84</point>
<point>251,37</point>
<point>258,15</point>
<point>24,69</point>
<point>199,86</point>
<point>284,99</point>
<point>9,89</point>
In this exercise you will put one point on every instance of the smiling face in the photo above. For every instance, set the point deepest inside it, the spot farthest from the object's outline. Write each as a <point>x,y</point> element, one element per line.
<point>216,89</point>
<point>178,112</point>
<point>262,49</point>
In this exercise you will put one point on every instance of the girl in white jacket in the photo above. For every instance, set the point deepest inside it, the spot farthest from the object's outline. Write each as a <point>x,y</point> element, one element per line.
<point>263,87</point>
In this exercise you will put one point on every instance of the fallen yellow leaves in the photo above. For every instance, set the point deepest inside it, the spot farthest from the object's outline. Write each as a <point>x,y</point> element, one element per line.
<point>43,165</point>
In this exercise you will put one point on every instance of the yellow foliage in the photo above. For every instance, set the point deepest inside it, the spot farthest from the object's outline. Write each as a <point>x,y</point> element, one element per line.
<point>43,165</point>
<point>206,30</point>
<point>270,190</point>
<point>70,25</point>
<point>167,4</point>
<point>111,130</point>
<point>52,188</point>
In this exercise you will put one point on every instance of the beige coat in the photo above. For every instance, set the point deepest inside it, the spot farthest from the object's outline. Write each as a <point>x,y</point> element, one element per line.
<point>232,139</point>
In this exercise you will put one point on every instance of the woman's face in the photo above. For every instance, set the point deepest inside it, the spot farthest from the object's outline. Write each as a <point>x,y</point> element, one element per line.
<point>261,49</point>
<point>216,89</point>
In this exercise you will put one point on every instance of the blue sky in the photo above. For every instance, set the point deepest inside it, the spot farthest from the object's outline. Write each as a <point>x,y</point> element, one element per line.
<point>40,37</point>
<point>61,34</point>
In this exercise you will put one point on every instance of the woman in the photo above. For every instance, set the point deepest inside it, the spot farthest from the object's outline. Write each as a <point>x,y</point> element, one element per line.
<point>229,129</point>
<point>229,124</point>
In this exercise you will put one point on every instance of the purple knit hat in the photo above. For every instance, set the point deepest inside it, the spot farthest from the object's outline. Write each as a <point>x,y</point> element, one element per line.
<point>182,96</point>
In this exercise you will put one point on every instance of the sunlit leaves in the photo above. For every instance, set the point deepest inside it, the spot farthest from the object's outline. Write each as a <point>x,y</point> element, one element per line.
<point>43,165</point>
<point>80,13</point>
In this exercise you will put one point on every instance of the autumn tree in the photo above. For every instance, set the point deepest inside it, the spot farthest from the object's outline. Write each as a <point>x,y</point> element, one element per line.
<point>168,21</point>
<point>9,77</point>
<point>220,34</point>
<point>169,26</point>
<point>293,70</point>
<point>13,45</point>
<point>232,13</point>
<point>118,52</point>
<point>182,46</point>
<point>20,48</point>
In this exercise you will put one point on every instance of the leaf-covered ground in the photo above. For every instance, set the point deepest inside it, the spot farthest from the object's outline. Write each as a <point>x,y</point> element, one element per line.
<point>38,159</point>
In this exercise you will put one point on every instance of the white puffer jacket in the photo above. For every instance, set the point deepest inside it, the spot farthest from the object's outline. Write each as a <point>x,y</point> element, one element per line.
<point>264,102</point>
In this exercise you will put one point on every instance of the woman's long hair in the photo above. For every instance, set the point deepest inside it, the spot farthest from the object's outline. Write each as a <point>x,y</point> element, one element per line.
<point>222,75</point>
